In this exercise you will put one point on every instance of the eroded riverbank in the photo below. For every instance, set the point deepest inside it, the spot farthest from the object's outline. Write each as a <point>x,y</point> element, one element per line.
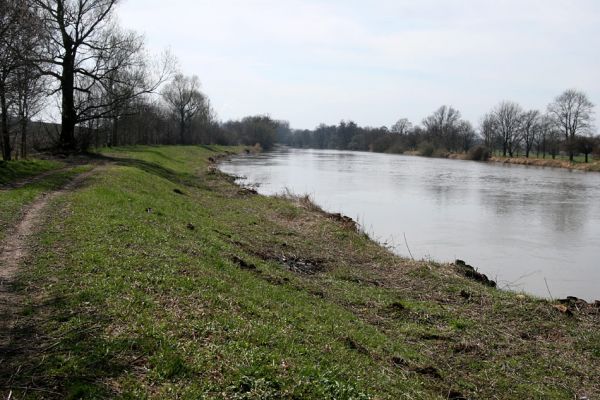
<point>529,229</point>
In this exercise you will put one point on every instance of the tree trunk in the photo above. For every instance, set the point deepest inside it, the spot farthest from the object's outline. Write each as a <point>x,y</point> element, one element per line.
<point>68,117</point>
<point>182,130</point>
<point>114,138</point>
<point>24,137</point>
<point>6,151</point>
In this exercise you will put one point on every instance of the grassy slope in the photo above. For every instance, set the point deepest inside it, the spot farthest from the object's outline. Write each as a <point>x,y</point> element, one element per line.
<point>129,300</point>
<point>15,170</point>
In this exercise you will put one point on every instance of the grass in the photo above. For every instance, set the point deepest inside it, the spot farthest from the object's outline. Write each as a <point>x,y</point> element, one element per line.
<point>559,161</point>
<point>11,171</point>
<point>136,290</point>
<point>15,200</point>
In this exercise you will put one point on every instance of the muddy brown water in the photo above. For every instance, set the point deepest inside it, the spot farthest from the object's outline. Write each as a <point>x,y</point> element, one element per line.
<point>532,229</point>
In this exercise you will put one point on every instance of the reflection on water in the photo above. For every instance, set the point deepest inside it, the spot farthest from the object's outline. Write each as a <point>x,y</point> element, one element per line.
<point>520,225</point>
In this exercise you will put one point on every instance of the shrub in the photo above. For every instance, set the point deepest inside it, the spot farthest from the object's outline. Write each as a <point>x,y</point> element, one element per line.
<point>479,153</point>
<point>426,149</point>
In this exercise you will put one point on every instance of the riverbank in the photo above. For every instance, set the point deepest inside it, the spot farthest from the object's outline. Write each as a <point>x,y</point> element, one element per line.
<point>158,277</point>
<point>549,162</point>
<point>533,161</point>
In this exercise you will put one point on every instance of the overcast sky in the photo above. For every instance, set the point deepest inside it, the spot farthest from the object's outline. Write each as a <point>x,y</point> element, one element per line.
<point>374,62</point>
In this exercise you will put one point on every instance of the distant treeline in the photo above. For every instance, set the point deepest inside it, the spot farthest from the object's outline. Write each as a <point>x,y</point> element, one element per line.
<point>507,129</point>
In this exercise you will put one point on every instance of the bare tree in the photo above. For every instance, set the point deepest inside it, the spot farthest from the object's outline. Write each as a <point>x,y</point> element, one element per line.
<point>442,126</point>
<point>487,131</point>
<point>402,126</point>
<point>507,116</point>
<point>573,113</point>
<point>185,100</point>
<point>530,128</point>
<point>466,134</point>
<point>85,54</point>
<point>29,100</point>
<point>11,23</point>
<point>545,125</point>
<point>586,144</point>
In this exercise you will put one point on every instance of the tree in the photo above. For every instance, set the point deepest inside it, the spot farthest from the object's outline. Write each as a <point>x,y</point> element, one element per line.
<point>507,116</point>
<point>29,100</point>
<point>442,127</point>
<point>488,131</point>
<point>545,125</point>
<point>466,134</point>
<point>401,127</point>
<point>15,29</point>
<point>530,127</point>
<point>85,53</point>
<point>573,112</point>
<point>586,144</point>
<point>185,100</point>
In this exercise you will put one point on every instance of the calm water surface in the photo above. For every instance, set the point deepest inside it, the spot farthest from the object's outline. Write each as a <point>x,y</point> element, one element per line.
<point>520,225</point>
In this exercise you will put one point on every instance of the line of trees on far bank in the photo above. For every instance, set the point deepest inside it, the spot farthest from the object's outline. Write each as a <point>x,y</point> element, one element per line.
<point>566,126</point>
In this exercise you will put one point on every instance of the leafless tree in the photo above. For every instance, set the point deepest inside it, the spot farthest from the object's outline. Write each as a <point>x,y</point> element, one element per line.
<point>85,54</point>
<point>573,112</point>
<point>530,128</point>
<point>507,116</point>
<point>11,23</point>
<point>466,134</point>
<point>586,144</point>
<point>488,131</point>
<point>30,96</point>
<point>442,126</point>
<point>185,100</point>
<point>402,126</point>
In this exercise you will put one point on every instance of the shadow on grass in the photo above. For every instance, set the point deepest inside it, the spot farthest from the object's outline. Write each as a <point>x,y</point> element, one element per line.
<point>179,178</point>
<point>67,365</point>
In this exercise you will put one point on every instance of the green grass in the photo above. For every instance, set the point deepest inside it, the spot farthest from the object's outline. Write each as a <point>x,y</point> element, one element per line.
<point>136,291</point>
<point>11,171</point>
<point>14,201</point>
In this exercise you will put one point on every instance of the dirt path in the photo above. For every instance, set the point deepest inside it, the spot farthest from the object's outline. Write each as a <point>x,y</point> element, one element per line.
<point>14,250</point>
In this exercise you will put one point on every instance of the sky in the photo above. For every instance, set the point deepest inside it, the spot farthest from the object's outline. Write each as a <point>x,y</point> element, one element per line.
<point>312,62</point>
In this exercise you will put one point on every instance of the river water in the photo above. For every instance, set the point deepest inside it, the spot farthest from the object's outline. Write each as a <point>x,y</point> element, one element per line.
<point>532,229</point>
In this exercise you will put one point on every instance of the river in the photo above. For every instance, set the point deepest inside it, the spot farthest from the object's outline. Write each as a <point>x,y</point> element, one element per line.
<point>531,229</point>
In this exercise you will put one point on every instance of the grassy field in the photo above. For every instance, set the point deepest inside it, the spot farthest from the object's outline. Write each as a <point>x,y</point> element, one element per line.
<point>160,278</point>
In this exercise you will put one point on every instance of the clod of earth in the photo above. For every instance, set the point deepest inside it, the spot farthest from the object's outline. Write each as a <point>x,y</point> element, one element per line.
<point>347,222</point>
<point>429,371</point>
<point>243,264</point>
<point>301,266</point>
<point>245,191</point>
<point>563,309</point>
<point>470,272</point>
<point>178,191</point>
<point>454,395</point>
<point>191,226</point>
